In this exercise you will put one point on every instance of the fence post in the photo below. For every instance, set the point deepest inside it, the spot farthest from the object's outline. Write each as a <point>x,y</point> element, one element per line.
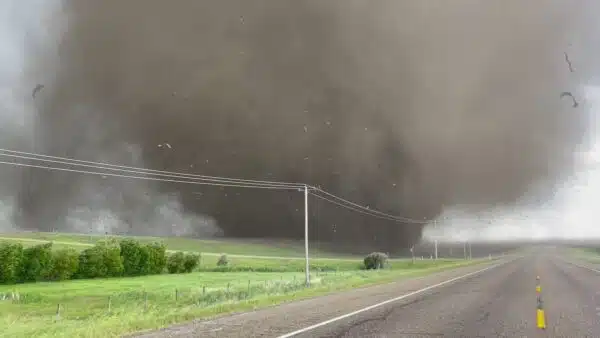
<point>145,301</point>
<point>109,303</point>
<point>176,295</point>
<point>58,311</point>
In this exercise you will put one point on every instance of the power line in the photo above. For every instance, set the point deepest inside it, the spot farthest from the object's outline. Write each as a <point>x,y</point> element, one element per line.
<point>398,218</point>
<point>275,187</point>
<point>353,209</point>
<point>100,165</point>
<point>196,179</point>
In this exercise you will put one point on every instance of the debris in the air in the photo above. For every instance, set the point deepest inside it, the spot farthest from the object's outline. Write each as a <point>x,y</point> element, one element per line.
<point>36,90</point>
<point>328,123</point>
<point>165,144</point>
<point>306,158</point>
<point>242,19</point>
<point>575,103</point>
<point>305,129</point>
<point>569,62</point>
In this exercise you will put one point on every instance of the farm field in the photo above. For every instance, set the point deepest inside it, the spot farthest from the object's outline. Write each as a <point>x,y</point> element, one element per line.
<point>115,306</point>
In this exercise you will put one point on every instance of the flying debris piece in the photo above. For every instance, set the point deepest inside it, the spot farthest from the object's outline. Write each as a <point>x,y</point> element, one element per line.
<point>305,129</point>
<point>575,103</point>
<point>36,90</point>
<point>569,62</point>
<point>165,145</point>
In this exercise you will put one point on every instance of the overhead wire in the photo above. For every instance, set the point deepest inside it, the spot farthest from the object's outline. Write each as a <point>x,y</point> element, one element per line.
<point>398,218</point>
<point>193,179</point>
<point>131,169</point>
<point>240,185</point>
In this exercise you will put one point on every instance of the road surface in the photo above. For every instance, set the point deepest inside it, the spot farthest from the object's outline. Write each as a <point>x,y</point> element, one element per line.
<point>493,300</point>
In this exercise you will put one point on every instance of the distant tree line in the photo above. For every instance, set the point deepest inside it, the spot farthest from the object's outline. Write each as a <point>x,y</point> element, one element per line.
<point>110,258</point>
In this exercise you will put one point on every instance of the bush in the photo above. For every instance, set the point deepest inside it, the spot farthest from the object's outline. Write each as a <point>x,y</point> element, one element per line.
<point>36,263</point>
<point>375,260</point>
<point>175,263</point>
<point>190,262</point>
<point>65,263</point>
<point>132,255</point>
<point>102,260</point>
<point>154,258</point>
<point>10,262</point>
<point>223,261</point>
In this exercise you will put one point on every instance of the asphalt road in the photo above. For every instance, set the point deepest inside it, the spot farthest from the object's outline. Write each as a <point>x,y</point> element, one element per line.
<point>500,301</point>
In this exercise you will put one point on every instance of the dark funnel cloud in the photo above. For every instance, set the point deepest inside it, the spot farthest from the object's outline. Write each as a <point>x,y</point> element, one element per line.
<point>404,106</point>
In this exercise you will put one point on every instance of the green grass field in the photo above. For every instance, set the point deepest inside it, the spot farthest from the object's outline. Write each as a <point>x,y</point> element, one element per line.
<point>111,307</point>
<point>274,248</point>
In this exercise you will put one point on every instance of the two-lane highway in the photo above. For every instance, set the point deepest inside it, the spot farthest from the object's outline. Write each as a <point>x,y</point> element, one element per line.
<point>498,300</point>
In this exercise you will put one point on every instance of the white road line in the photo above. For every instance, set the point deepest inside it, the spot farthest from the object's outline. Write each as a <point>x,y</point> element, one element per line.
<point>368,308</point>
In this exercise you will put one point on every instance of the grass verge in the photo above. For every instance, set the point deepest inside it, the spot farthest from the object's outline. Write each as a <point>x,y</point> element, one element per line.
<point>112,307</point>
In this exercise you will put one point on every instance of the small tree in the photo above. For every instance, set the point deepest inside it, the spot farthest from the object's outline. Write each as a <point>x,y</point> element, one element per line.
<point>102,260</point>
<point>375,260</point>
<point>65,263</point>
<point>36,263</point>
<point>190,262</point>
<point>154,258</point>
<point>10,262</point>
<point>223,261</point>
<point>176,262</point>
<point>132,255</point>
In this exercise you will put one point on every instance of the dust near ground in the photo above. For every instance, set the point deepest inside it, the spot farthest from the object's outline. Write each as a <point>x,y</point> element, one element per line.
<point>405,106</point>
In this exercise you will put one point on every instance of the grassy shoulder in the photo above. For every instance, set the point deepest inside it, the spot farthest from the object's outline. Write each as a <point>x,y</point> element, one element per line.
<point>112,307</point>
<point>586,254</point>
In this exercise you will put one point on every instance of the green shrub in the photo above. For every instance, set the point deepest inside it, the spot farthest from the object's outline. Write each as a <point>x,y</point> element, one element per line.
<point>10,262</point>
<point>36,263</point>
<point>223,261</point>
<point>376,260</point>
<point>190,262</point>
<point>132,255</point>
<point>65,263</point>
<point>154,258</point>
<point>175,262</point>
<point>102,260</point>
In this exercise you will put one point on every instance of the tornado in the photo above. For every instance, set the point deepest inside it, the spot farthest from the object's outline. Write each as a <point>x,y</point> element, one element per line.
<point>406,107</point>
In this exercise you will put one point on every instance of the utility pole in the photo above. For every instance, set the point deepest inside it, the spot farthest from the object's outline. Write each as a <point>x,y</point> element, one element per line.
<point>306,235</point>
<point>435,242</point>
<point>470,256</point>
<point>465,249</point>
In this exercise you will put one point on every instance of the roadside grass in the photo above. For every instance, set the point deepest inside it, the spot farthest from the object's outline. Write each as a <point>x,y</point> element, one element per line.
<point>587,254</point>
<point>150,302</point>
